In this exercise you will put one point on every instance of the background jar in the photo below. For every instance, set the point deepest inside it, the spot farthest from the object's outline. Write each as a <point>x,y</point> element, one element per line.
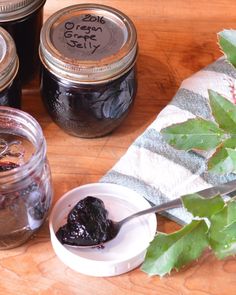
<point>25,179</point>
<point>23,20</point>
<point>10,88</point>
<point>88,80</point>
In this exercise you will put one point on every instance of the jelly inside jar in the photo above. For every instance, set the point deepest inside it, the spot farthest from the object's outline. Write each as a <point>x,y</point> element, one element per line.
<point>89,111</point>
<point>23,204</point>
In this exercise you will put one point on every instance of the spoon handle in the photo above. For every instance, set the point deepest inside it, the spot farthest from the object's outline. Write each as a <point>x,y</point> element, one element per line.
<point>155,209</point>
<point>222,189</point>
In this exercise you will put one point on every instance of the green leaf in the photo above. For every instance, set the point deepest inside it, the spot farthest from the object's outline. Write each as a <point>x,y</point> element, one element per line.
<point>223,160</point>
<point>227,41</point>
<point>195,133</point>
<point>224,112</point>
<point>222,232</point>
<point>167,252</point>
<point>207,135</point>
<point>232,155</point>
<point>203,207</point>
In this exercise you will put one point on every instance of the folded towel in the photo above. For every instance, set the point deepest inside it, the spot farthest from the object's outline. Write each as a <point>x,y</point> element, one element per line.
<point>159,172</point>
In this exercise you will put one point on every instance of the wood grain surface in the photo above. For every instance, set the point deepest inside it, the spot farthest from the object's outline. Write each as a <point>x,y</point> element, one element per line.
<point>176,39</point>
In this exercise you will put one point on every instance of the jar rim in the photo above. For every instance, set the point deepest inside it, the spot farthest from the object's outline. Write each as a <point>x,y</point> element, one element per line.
<point>31,130</point>
<point>83,65</point>
<point>16,9</point>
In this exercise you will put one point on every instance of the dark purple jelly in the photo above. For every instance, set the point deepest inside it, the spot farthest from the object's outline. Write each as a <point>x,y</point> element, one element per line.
<point>6,166</point>
<point>24,26</point>
<point>24,209</point>
<point>87,224</point>
<point>88,82</point>
<point>88,110</point>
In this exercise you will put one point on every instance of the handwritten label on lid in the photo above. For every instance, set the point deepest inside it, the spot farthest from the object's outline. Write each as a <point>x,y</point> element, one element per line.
<point>88,37</point>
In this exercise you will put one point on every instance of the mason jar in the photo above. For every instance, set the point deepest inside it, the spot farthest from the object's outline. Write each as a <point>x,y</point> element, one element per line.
<point>10,88</point>
<point>88,80</point>
<point>23,20</point>
<point>25,178</point>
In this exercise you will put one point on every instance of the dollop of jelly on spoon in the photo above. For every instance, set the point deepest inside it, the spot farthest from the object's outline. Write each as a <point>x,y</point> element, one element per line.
<point>87,224</point>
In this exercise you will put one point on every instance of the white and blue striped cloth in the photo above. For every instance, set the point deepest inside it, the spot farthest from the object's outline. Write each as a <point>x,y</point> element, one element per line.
<point>156,170</point>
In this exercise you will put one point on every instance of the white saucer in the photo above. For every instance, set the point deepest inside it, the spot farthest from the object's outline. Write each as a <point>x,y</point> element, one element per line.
<point>122,254</point>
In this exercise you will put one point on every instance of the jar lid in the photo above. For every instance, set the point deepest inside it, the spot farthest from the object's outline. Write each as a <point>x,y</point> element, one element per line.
<point>88,43</point>
<point>9,62</point>
<point>15,9</point>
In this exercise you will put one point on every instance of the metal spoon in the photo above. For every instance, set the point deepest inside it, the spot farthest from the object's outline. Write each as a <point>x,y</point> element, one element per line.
<point>155,209</point>
<point>221,189</point>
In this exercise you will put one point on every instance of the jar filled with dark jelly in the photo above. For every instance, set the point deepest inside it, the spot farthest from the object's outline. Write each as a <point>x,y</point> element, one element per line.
<point>25,178</point>
<point>88,79</point>
<point>10,88</point>
<point>23,20</point>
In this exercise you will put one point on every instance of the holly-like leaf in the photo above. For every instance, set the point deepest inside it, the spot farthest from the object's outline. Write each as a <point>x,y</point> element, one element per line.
<point>224,158</point>
<point>207,135</point>
<point>202,207</point>
<point>224,112</point>
<point>194,133</point>
<point>167,252</point>
<point>222,232</point>
<point>227,41</point>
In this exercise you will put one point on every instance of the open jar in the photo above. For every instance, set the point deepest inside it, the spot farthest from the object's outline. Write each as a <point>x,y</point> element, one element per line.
<point>23,20</point>
<point>25,179</point>
<point>88,80</point>
<point>10,88</point>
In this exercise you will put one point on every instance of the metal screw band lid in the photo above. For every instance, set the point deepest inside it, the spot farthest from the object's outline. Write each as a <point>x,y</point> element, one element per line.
<point>16,9</point>
<point>88,43</point>
<point>9,62</point>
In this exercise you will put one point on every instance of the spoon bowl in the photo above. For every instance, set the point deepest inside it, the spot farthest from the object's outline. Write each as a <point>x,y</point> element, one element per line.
<point>117,225</point>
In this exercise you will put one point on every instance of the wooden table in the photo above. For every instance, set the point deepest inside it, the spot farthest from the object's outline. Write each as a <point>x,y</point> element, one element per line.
<point>176,39</point>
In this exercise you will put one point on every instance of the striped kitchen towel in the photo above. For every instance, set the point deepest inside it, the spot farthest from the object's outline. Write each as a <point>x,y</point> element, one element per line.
<point>156,170</point>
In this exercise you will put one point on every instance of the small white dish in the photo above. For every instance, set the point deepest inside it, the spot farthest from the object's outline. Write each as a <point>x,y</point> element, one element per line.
<point>126,251</point>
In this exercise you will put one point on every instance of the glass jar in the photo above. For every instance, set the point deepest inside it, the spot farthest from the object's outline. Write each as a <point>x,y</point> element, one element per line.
<point>88,79</point>
<point>23,20</point>
<point>10,88</point>
<point>25,179</point>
